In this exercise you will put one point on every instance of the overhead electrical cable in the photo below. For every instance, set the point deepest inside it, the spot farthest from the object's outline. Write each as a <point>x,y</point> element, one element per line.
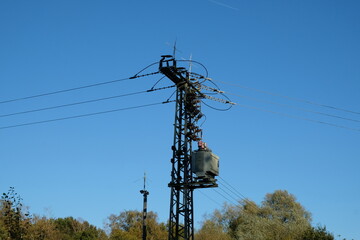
<point>283,105</point>
<point>84,102</point>
<point>74,89</point>
<point>202,65</point>
<point>210,198</point>
<point>297,117</point>
<point>157,82</point>
<point>216,91</point>
<point>238,193</point>
<point>290,98</point>
<point>62,91</point>
<point>137,74</point>
<point>233,192</point>
<point>229,194</point>
<point>84,115</point>
<point>225,197</point>
<point>293,107</point>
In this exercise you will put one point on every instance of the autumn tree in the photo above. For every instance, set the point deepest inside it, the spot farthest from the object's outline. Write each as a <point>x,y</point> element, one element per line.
<point>71,229</point>
<point>278,217</point>
<point>211,230</point>
<point>68,228</point>
<point>318,233</point>
<point>282,217</point>
<point>14,220</point>
<point>128,225</point>
<point>43,228</point>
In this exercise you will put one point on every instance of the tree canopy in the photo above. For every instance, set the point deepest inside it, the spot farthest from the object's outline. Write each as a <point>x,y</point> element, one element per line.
<point>279,216</point>
<point>128,225</point>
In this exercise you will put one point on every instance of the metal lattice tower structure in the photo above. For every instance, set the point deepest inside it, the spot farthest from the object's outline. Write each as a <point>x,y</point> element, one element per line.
<point>186,131</point>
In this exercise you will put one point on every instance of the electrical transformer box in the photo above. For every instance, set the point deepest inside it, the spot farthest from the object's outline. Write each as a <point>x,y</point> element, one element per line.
<point>205,164</point>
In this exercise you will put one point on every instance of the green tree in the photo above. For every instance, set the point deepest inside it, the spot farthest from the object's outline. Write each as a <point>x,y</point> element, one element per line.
<point>281,217</point>
<point>119,234</point>
<point>71,229</point>
<point>278,217</point>
<point>42,229</point>
<point>211,230</point>
<point>128,225</point>
<point>318,233</point>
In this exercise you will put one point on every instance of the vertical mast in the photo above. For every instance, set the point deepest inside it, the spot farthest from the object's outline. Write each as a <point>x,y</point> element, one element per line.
<point>145,193</point>
<point>183,183</point>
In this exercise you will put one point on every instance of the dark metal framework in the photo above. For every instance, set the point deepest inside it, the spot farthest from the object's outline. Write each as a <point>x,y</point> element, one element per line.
<point>145,193</point>
<point>187,114</point>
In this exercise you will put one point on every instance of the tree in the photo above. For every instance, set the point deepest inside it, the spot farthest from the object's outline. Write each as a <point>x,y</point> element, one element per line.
<point>128,225</point>
<point>119,234</point>
<point>71,229</point>
<point>282,217</point>
<point>278,217</point>
<point>14,220</point>
<point>211,230</point>
<point>318,233</point>
<point>43,229</point>
<point>63,228</point>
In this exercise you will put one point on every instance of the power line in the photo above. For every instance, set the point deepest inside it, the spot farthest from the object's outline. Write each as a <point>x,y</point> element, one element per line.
<point>74,89</point>
<point>84,102</point>
<point>297,117</point>
<point>207,196</point>
<point>83,115</point>
<point>232,189</point>
<point>62,91</point>
<point>290,98</point>
<point>293,107</point>
<point>230,195</point>
<point>238,194</point>
<point>289,106</point>
<point>230,201</point>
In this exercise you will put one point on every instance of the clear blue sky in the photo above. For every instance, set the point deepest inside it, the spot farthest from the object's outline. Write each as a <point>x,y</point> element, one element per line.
<point>92,167</point>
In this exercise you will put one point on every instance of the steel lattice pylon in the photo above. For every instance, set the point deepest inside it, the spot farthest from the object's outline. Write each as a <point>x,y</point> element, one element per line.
<point>181,224</point>
<point>187,113</point>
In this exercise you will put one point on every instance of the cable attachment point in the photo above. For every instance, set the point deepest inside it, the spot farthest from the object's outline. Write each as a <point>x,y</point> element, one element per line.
<point>218,99</point>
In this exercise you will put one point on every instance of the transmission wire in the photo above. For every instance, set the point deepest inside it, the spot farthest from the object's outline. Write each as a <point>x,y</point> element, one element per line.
<point>62,91</point>
<point>238,193</point>
<point>207,196</point>
<point>75,88</point>
<point>297,108</point>
<point>230,201</point>
<point>291,98</point>
<point>84,102</point>
<point>297,117</point>
<point>83,115</point>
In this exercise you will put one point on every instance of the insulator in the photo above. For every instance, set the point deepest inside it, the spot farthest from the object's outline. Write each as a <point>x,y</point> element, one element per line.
<point>193,137</point>
<point>196,139</point>
<point>190,96</point>
<point>196,112</point>
<point>196,101</point>
<point>190,126</point>
<point>199,116</point>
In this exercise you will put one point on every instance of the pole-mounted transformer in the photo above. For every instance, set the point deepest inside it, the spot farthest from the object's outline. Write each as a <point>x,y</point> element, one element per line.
<point>190,169</point>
